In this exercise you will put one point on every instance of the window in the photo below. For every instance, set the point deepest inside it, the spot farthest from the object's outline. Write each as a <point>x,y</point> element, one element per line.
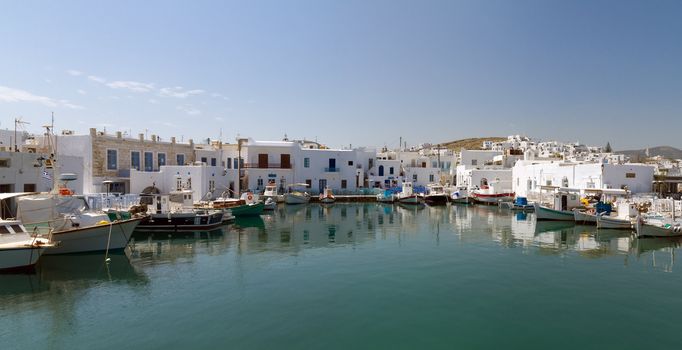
<point>309,182</point>
<point>112,159</point>
<point>211,185</point>
<point>381,170</point>
<point>135,160</point>
<point>344,184</point>
<point>236,163</point>
<point>189,183</point>
<point>29,187</point>
<point>306,162</point>
<point>214,162</point>
<point>178,184</point>
<point>390,171</point>
<point>148,161</point>
<point>630,175</point>
<point>430,177</point>
<point>161,159</point>
<point>180,158</point>
<point>4,163</point>
<point>474,162</point>
<point>259,183</point>
<point>204,160</point>
<point>350,163</point>
<point>414,177</point>
<point>229,163</point>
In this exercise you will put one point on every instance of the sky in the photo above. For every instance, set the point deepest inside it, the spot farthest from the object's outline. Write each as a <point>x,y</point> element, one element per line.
<point>348,73</point>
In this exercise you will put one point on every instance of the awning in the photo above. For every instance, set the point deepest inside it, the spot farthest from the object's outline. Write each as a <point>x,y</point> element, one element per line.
<point>4,196</point>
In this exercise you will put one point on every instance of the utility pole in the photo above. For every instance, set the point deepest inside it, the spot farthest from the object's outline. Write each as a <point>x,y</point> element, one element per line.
<point>17,121</point>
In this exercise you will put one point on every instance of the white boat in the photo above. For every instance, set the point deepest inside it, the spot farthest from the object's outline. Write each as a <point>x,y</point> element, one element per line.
<point>584,217</point>
<point>68,220</point>
<point>564,201</point>
<point>19,251</point>
<point>386,197</point>
<point>657,228</point>
<point>626,214</point>
<point>407,195</point>
<point>271,192</point>
<point>492,194</point>
<point>270,204</point>
<point>461,196</point>
<point>295,196</point>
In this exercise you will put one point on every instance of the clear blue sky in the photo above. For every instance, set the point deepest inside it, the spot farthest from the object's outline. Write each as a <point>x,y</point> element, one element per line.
<point>348,72</point>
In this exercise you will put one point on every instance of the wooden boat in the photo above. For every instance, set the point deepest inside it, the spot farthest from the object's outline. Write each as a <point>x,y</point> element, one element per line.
<point>645,228</point>
<point>68,220</point>
<point>461,196</point>
<point>610,222</point>
<point>272,192</point>
<point>521,204</point>
<point>564,200</point>
<point>584,217</point>
<point>246,205</point>
<point>546,213</point>
<point>295,196</point>
<point>176,212</point>
<point>327,197</point>
<point>407,195</point>
<point>435,195</point>
<point>19,251</point>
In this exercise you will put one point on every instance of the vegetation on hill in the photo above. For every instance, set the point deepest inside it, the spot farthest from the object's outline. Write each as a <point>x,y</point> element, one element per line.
<point>471,143</point>
<point>663,151</point>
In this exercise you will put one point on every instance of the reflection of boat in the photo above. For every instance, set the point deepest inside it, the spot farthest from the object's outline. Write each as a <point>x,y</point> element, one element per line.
<point>545,226</point>
<point>327,197</point>
<point>87,266</point>
<point>295,196</point>
<point>650,245</point>
<point>435,195</point>
<point>18,250</point>
<point>249,221</point>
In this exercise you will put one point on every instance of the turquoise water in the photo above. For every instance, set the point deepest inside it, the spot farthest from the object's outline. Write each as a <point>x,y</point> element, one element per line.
<point>357,276</point>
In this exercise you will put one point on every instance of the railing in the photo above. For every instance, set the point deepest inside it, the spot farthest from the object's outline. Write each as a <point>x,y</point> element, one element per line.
<point>332,170</point>
<point>99,201</point>
<point>267,166</point>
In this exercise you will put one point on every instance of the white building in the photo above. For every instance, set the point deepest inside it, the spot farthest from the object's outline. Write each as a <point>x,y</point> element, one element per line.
<point>205,181</point>
<point>529,175</point>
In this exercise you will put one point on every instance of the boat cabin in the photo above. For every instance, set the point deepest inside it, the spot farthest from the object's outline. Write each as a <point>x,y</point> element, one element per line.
<point>173,202</point>
<point>566,199</point>
<point>408,190</point>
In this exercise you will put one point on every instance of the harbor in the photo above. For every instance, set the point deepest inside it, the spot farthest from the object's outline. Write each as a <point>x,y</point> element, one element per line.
<point>354,275</point>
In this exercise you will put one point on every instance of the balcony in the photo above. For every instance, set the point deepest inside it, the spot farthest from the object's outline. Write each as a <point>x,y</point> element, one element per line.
<point>266,166</point>
<point>332,170</point>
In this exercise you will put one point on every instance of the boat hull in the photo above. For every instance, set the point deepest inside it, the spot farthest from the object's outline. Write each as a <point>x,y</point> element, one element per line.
<point>606,222</point>
<point>493,198</point>
<point>462,200</point>
<point>295,199</point>
<point>327,200</point>
<point>544,213</point>
<point>181,222</point>
<point>413,199</point>
<point>20,259</point>
<point>248,210</point>
<point>584,218</point>
<point>94,238</point>
<point>438,199</point>
<point>648,230</point>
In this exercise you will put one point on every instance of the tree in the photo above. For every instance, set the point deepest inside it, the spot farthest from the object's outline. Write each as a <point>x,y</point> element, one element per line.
<point>608,149</point>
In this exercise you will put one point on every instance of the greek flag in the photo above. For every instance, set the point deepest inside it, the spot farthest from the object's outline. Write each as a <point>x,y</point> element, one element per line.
<point>46,175</point>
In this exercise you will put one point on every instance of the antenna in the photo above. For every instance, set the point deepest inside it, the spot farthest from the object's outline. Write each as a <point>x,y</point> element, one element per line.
<point>17,121</point>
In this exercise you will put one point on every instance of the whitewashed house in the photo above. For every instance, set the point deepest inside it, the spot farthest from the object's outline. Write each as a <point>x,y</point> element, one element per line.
<point>205,181</point>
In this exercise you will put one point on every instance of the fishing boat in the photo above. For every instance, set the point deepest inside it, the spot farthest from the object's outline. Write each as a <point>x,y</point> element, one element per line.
<point>269,204</point>
<point>461,196</point>
<point>564,200</point>
<point>521,204</point>
<point>585,217</point>
<point>386,197</point>
<point>489,194</point>
<point>246,205</point>
<point>272,192</point>
<point>645,228</point>
<point>435,195</point>
<point>408,196</point>
<point>19,251</point>
<point>623,219</point>
<point>176,212</point>
<point>295,196</point>
<point>327,197</point>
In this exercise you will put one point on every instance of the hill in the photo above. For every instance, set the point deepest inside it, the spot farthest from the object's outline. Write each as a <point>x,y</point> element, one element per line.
<point>663,151</point>
<point>471,143</point>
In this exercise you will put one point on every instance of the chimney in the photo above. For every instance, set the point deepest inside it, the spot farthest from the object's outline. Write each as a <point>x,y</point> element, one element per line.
<point>93,132</point>
<point>141,137</point>
<point>119,135</point>
<point>173,139</point>
<point>191,142</point>
<point>153,138</point>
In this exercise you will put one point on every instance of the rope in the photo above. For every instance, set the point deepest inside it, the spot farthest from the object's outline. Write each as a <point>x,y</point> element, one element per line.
<point>106,255</point>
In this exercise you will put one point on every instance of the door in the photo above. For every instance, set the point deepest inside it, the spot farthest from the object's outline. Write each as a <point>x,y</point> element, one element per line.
<point>332,164</point>
<point>323,184</point>
<point>285,160</point>
<point>564,202</point>
<point>263,161</point>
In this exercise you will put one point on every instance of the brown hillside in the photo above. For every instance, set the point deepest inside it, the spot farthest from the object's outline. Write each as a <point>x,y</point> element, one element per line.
<point>472,143</point>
